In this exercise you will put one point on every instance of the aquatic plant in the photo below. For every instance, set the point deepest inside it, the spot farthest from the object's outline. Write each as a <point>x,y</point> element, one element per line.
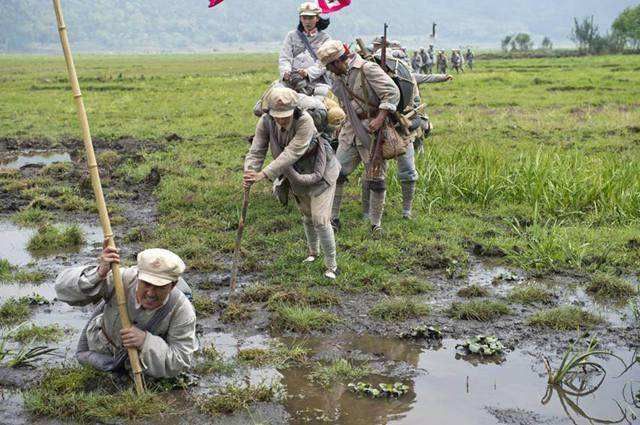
<point>422,331</point>
<point>396,389</point>
<point>482,345</point>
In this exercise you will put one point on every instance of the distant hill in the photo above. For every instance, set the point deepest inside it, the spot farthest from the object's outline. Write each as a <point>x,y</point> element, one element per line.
<point>188,25</point>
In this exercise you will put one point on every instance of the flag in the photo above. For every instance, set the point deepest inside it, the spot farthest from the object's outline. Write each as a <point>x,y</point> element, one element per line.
<point>329,6</point>
<point>213,3</point>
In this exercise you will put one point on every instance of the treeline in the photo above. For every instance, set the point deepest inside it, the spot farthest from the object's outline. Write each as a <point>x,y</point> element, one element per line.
<point>585,33</point>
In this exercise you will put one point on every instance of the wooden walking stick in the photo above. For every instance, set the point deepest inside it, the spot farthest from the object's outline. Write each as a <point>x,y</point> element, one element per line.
<point>97,191</point>
<point>236,253</point>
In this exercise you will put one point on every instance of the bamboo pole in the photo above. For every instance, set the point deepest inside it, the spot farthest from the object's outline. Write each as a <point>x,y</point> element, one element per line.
<point>97,191</point>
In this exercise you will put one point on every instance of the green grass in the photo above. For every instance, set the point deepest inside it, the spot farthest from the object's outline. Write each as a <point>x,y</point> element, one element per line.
<point>9,273</point>
<point>317,297</point>
<point>301,318</point>
<point>51,238</point>
<point>525,160</point>
<point>235,312</point>
<point>14,311</point>
<point>606,286</point>
<point>234,398</point>
<point>564,318</point>
<point>473,291</point>
<point>210,361</point>
<point>530,294</point>
<point>398,309</point>
<point>32,217</point>
<point>339,370</point>
<point>278,355</point>
<point>203,305</point>
<point>482,310</point>
<point>32,332</point>
<point>85,395</point>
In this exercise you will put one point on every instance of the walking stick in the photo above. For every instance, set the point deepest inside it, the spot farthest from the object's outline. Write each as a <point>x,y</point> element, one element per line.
<point>97,191</point>
<point>236,254</point>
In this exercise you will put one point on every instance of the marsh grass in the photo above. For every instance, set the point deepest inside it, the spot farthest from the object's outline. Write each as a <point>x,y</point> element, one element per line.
<point>50,238</point>
<point>481,310</point>
<point>35,333</point>
<point>473,291</point>
<point>606,286</point>
<point>32,217</point>
<point>339,370</point>
<point>233,398</point>
<point>235,312</point>
<point>9,273</point>
<point>564,318</point>
<point>211,361</point>
<point>204,305</point>
<point>398,309</point>
<point>14,311</point>
<point>530,294</point>
<point>301,318</point>
<point>278,355</point>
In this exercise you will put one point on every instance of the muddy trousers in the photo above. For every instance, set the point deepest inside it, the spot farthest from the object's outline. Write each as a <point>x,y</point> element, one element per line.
<point>373,193</point>
<point>316,219</point>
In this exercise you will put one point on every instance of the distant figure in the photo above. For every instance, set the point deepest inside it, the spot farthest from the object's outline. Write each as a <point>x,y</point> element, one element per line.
<point>456,60</point>
<point>424,57</point>
<point>469,58</point>
<point>430,60</point>
<point>416,62</point>
<point>442,62</point>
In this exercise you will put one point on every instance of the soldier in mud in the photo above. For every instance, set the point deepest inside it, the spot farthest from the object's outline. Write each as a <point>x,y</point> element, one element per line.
<point>468,56</point>
<point>368,96</point>
<point>456,61</point>
<point>164,321</point>
<point>303,161</point>
<point>298,62</point>
<point>442,62</point>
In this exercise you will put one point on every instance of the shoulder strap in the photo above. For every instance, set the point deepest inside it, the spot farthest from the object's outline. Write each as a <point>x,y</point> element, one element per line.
<point>359,98</point>
<point>306,43</point>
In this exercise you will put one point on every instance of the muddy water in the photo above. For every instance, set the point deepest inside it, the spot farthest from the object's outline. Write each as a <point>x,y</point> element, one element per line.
<point>447,388</point>
<point>33,158</point>
<point>14,240</point>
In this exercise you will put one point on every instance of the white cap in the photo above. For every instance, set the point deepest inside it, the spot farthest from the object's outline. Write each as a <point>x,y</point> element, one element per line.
<point>159,266</point>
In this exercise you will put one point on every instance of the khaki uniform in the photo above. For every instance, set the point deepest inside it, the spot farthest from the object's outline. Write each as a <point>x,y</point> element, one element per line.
<point>166,354</point>
<point>369,82</point>
<point>314,201</point>
<point>294,55</point>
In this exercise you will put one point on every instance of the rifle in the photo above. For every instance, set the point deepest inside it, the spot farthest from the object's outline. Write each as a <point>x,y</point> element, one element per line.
<point>383,54</point>
<point>364,52</point>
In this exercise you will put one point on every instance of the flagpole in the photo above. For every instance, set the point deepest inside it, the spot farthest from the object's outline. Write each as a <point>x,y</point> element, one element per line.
<point>97,191</point>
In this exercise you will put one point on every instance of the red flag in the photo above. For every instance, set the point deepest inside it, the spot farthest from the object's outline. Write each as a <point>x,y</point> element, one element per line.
<point>329,6</point>
<point>213,3</point>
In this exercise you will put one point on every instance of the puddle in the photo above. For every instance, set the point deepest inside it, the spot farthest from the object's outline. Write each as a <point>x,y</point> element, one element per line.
<point>33,158</point>
<point>448,388</point>
<point>14,240</point>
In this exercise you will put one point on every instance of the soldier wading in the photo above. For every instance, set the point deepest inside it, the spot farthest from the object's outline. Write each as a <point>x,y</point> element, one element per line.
<point>307,163</point>
<point>164,321</point>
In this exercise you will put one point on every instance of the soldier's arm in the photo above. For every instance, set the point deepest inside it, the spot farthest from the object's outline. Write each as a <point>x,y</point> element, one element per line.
<point>259,146</point>
<point>431,78</point>
<point>297,147</point>
<point>83,285</point>
<point>383,85</point>
<point>175,355</point>
<point>285,61</point>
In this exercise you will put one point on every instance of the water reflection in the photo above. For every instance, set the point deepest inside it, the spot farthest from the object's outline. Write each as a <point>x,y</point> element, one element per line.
<point>33,158</point>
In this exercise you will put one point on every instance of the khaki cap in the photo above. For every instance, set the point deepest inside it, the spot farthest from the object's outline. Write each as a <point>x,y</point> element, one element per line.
<point>159,266</point>
<point>282,102</point>
<point>330,51</point>
<point>309,9</point>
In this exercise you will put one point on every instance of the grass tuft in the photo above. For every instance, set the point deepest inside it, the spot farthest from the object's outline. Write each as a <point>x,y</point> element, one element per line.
<point>32,216</point>
<point>482,310</point>
<point>612,287</point>
<point>14,311</point>
<point>32,332</point>
<point>51,238</point>
<point>212,362</point>
<point>407,285</point>
<point>397,309</point>
<point>234,398</point>
<point>301,318</point>
<point>339,370</point>
<point>530,294</point>
<point>473,291</point>
<point>235,312</point>
<point>564,318</point>
<point>203,305</point>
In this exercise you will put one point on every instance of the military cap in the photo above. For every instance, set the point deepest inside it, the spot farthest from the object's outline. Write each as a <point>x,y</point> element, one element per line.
<point>159,267</point>
<point>309,9</point>
<point>282,102</point>
<point>330,51</point>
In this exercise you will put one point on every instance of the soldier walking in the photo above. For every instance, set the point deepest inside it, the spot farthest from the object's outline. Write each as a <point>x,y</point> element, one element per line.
<point>368,96</point>
<point>429,60</point>
<point>442,62</point>
<point>299,66</point>
<point>416,62</point>
<point>469,58</point>
<point>308,164</point>
<point>456,61</point>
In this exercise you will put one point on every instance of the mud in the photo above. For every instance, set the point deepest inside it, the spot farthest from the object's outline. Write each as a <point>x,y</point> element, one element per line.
<point>445,386</point>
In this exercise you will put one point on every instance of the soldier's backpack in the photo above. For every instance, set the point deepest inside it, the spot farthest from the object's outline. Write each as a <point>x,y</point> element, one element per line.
<point>401,74</point>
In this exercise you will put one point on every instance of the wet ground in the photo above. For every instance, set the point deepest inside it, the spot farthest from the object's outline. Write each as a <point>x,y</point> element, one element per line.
<point>444,385</point>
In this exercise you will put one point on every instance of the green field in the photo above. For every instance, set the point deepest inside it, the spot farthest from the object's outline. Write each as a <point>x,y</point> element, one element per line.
<point>534,160</point>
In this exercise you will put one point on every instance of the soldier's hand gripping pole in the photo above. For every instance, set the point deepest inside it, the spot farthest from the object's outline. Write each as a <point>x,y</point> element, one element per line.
<point>236,253</point>
<point>97,191</point>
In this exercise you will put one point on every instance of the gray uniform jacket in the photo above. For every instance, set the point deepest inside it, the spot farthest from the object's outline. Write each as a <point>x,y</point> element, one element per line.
<point>295,56</point>
<point>296,140</point>
<point>163,355</point>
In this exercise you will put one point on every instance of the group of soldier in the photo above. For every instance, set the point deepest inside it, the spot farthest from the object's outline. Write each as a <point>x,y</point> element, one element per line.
<point>330,110</point>
<point>423,60</point>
